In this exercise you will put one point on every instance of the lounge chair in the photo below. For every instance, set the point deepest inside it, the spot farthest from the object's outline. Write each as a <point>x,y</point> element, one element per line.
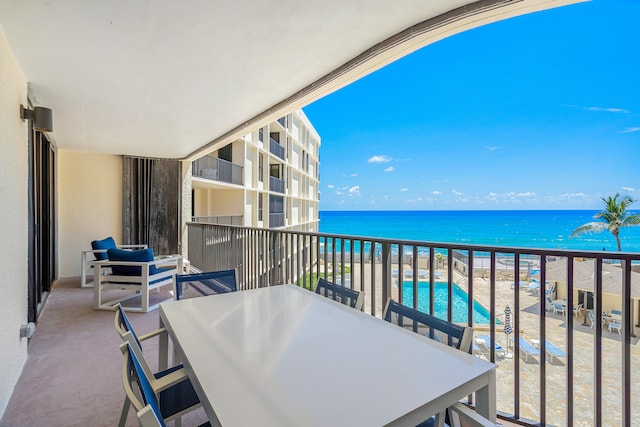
<point>553,351</point>
<point>615,325</point>
<point>577,310</point>
<point>559,308</point>
<point>533,286</point>
<point>592,318</point>
<point>527,349</point>
<point>422,274</point>
<point>485,342</point>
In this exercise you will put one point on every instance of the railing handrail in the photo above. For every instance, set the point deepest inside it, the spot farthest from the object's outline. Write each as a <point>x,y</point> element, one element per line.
<point>466,247</point>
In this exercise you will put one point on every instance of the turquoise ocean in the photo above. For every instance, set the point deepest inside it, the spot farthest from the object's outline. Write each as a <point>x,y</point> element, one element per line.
<point>532,229</point>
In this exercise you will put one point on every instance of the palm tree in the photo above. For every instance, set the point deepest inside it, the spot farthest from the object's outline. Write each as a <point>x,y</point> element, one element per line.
<point>614,217</point>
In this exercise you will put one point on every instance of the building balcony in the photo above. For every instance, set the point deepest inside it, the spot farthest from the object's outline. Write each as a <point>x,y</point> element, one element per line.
<point>216,169</point>
<point>276,220</point>
<point>220,219</point>
<point>276,184</point>
<point>276,149</point>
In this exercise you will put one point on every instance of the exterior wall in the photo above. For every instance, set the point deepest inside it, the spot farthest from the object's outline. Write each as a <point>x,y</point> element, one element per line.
<point>14,173</point>
<point>298,170</point>
<point>89,204</point>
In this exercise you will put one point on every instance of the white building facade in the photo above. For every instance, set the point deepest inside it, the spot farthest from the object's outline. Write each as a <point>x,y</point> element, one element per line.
<point>268,178</point>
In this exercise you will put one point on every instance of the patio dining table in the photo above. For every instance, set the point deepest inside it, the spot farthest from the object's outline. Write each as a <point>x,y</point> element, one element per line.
<point>285,356</point>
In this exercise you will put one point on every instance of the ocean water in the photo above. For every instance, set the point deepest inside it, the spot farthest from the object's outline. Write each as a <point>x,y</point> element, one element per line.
<point>531,229</point>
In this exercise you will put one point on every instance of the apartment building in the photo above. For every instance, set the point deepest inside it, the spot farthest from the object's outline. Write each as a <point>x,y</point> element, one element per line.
<point>268,178</point>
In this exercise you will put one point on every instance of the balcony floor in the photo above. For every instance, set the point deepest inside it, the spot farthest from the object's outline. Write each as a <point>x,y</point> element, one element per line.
<point>73,372</point>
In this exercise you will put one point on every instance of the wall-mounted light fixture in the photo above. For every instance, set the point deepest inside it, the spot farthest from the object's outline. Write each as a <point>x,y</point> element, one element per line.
<point>42,118</point>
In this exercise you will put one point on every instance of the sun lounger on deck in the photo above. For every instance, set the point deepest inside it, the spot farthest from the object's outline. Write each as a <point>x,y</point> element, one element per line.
<point>527,349</point>
<point>485,342</point>
<point>553,351</point>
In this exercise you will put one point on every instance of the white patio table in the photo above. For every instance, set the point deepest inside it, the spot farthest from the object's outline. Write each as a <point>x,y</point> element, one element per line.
<point>284,356</point>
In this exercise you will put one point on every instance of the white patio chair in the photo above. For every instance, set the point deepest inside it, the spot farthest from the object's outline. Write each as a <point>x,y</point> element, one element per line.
<point>98,252</point>
<point>135,272</point>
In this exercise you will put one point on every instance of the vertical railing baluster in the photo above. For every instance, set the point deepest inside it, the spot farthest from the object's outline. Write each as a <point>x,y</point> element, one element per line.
<point>570,353</point>
<point>543,339</point>
<point>342,262</point>
<point>597,416</point>
<point>372,250</point>
<point>361,265</point>
<point>432,284</point>
<point>386,273</point>
<point>449,285</point>
<point>627,329</point>
<point>352,274</point>
<point>516,336</point>
<point>492,305</point>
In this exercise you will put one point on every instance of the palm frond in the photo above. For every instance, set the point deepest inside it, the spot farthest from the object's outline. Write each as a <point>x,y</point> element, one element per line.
<point>591,227</point>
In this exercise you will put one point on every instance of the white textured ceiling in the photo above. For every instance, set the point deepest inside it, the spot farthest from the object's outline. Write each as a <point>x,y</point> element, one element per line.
<point>170,78</point>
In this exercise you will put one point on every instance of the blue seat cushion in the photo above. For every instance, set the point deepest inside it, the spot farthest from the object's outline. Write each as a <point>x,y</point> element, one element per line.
<point>107,243</point>
<point>141,255</point>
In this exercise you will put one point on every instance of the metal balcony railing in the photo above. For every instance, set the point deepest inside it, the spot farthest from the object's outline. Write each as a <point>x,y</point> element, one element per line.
<point>553,368</point>
<point>216,169</point>
<point>276,184</point>
<point>276,149</point>
<point>220,219</point>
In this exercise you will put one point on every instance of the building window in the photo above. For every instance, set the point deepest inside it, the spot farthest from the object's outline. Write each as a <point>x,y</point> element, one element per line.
<point>261,167</point>
<point>259,207</point>
<point>261,134</point>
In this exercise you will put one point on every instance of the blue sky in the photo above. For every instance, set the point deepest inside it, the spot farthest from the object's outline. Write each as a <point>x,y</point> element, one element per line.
<point>537,112</point>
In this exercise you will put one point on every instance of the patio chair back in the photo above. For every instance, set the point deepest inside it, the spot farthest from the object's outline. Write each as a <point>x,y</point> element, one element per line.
<point>133,372</point>
<point>454,335</point>
<point>207,283</point>
<point>347,296</point>
<point>167,394</point>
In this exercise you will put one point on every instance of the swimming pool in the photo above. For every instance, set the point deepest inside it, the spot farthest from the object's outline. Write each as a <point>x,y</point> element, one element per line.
<point>441,301</point>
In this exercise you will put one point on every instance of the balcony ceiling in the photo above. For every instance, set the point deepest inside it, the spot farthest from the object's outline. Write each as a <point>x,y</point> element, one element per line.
<point>174,79</point>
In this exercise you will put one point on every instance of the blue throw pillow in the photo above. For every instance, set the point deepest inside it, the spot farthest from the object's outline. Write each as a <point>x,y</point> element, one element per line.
<point>141,255</point>
<point>107,243</point>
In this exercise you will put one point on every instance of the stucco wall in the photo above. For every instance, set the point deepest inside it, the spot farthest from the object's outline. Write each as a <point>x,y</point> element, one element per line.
<point>89,204</point>
<point>13,224</point>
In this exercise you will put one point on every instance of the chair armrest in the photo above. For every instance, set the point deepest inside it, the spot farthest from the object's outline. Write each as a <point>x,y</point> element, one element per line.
<point>468,414</point>
<point>169,380</point>
<point>131,246</point>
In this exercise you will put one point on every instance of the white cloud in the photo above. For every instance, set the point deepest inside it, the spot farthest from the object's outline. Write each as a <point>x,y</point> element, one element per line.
<point>350,175</point>
<point>456,192</point>
<point>379,159</point>
<point>630,130</point>
<point>435,193</point>
<point>354,191</point>
<point>629,189</point>
<point>389,169</point>
<point>528,196</point>
<point>330,186</point>
<point>490,148</point>
<point>608,109</point>
<point>404,189</point>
